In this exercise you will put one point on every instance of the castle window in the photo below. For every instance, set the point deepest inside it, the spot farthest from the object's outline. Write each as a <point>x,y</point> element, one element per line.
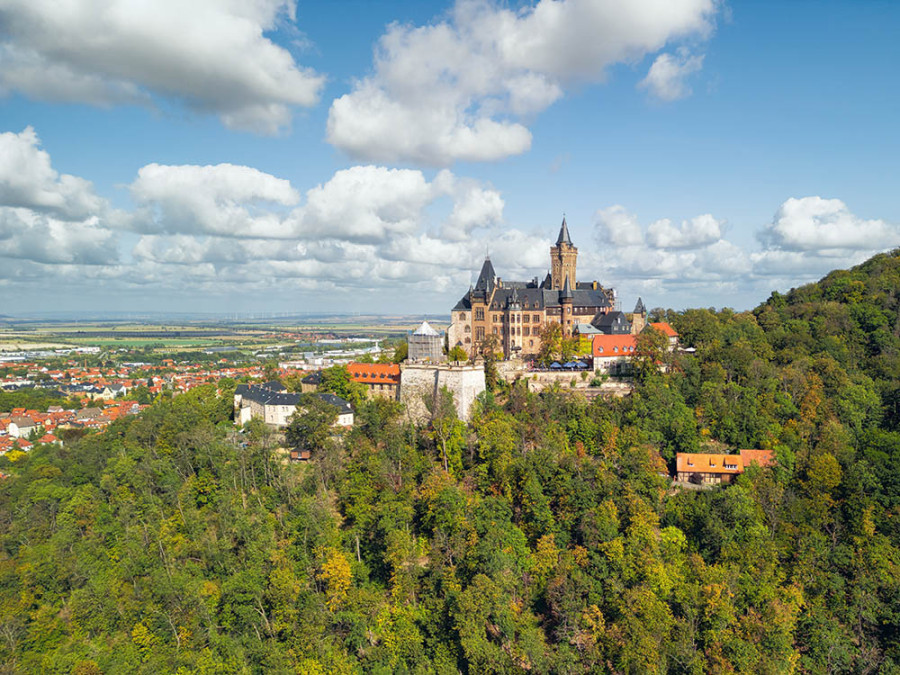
<point>526,318</point>
<point>531,343</point>
<point>468,328</point>
<point>479,333</point>
<point>462,316</point>
<point>468,340</point>
<point>479,314</point>
<point>527,330</point>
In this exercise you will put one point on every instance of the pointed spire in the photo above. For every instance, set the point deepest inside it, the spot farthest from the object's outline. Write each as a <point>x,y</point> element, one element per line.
<point>487,277</point>
<point>566,291</point>
<point>639,307</point>
<point>564,234</point>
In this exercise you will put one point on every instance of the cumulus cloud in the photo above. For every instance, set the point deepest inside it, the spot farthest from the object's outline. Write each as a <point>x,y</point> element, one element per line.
<point>28,179</point>
<point>224,199</point>
<point>815,224</point>
<point>693,233</point>
<point>211,55</point>
<point>616,226</point>
<point>666,79</point>
<point>453,90</point>
<point>360,204</point>
<point>663,254</point>
<point>29,235</point>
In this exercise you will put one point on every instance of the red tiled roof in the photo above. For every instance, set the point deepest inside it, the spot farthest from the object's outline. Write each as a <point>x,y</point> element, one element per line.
<point>608,346</point>
<point>665,328</point>
<point>374,373</point>
<point>700,462</point>
<point>761,457</point>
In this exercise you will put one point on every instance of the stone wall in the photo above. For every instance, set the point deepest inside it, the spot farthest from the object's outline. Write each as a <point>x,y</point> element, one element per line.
<point>421,382</point>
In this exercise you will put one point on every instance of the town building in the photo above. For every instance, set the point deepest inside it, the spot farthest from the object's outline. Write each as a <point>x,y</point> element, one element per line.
<point>707,469</point>
<point>613,353</point>
<point>715,469</point>
<point>272,404</point>
<point>382,380</point>
<point>511,315</point>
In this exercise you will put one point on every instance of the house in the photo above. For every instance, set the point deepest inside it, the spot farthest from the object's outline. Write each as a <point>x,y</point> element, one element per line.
<point>345,410</point>
<point>21,426</point>
<point>382,380</point>
<point>310,383</point>
<point>670,333</point>
<point>707,469</point>
<point>612,323</point>
<point>612,353</point>
<point>275,406</point>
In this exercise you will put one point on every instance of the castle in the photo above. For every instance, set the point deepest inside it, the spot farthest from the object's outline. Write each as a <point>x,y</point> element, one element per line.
<point>514,313</point>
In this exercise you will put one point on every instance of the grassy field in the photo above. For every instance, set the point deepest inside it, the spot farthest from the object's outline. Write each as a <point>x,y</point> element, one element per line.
<point>243,335</point>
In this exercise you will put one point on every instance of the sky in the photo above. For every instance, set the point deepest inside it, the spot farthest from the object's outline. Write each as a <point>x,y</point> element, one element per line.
<point>233,157</point>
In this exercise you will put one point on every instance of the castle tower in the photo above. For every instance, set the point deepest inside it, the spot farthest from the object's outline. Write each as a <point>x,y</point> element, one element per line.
<point>563,257</point>
<point>566,318</point>
<point>513,329</point>
<point>639,317</point>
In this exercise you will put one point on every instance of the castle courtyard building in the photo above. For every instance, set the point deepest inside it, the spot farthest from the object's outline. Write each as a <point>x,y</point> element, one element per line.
<point>513,314</point>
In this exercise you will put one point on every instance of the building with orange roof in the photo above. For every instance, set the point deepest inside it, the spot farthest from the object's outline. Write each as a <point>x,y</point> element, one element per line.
<point>612,353</point>
<point>670,332</point>
<point>382,380</point>
<point>707,469</point>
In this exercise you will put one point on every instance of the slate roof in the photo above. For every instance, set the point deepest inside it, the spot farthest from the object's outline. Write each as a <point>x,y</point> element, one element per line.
<point>639,307</point>
<point>539,298</point>
<point>612,323</point>
<point>564,234</point>
<point>487,278</point>
<point>313,378</point>
<point>343,406</point>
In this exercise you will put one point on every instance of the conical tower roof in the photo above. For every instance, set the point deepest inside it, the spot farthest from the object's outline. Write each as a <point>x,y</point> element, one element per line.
<point>639,307</point>
<point>425,329</point>
<point>487,277</point>
<point>566,293</point>
<point>564,234</point>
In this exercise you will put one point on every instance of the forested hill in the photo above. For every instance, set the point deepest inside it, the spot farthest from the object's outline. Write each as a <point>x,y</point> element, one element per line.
<point>549,544</point>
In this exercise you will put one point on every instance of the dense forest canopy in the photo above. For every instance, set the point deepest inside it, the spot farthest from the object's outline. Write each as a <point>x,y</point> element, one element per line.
<point>539,538</point>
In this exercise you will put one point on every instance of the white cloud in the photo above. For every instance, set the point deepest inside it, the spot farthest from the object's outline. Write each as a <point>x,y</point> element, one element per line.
<point>666,79</point>
<point>666,256</point>
<point>224,199</point>
<point>452,90</point>
<point>616,226</point>
<point>365,203</point>
<point>32,236</point>
<point>816,224</point>
<point>210,54</point>
<point>28,179</point>
<point>694,233</point>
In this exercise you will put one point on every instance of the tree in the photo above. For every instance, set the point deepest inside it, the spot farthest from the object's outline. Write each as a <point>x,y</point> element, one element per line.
<point>311,427</point>
<point>651,347</point>
<point>457,354</point>
<point>551,343</point>
<point>337,381</point>
<point>401,352</point>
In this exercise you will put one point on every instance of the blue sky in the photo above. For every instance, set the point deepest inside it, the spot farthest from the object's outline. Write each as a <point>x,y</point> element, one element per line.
<point>362,156</point>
